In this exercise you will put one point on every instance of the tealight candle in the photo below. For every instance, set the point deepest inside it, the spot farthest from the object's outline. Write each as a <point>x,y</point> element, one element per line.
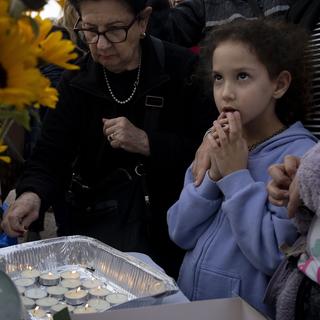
<point>58,307</point>
<point>99,292</point>
<point>47,303</point>
<point>99,304</point>
<point>35,293</point>
<point>28,303</point>
<point>70,275</point>
<point>91,283</point>
<point>85,309</point>
<point>116,298</point>
<point>76,297</point>
<point>49,279</point>
<point>57,292</point>
<point>38,313</point>
<point>24,282</point>
<point>30,273</point>
<point>21,290</point>
<point>71,283</point>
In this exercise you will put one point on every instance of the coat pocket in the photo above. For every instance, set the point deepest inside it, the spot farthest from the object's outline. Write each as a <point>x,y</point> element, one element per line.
<point>216,283</point>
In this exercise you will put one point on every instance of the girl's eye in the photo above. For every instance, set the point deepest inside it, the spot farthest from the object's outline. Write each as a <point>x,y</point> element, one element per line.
<point>216,77</point>
<point>243,76</point>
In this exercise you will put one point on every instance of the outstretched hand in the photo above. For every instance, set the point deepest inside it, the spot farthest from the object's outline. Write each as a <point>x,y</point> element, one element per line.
<point>21,214</point>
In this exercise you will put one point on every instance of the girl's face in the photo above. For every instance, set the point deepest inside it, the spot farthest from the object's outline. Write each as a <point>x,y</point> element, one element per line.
<point>108,15</point>
<point>241,82</point>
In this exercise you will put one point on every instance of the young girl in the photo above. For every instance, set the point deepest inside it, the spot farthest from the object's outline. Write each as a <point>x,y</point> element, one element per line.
<point>231,232</point>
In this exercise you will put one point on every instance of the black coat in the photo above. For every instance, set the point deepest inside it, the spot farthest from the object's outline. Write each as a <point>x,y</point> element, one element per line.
<point>74,131</point>
<point>305,13</point>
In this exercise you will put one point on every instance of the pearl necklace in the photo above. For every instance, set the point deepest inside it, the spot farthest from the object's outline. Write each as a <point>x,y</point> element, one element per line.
<point>135,85</point>
<point>253,146</point>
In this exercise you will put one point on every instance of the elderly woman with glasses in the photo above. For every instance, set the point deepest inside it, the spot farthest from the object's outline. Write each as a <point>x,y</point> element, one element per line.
<point>127,125</point>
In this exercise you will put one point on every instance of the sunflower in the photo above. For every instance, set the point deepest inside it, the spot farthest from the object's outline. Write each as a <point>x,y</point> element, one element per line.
<point>18,83</point>
<point>4,5</point>
<point>58,51</point>
<point>46,95</point>
<point>54,49</point>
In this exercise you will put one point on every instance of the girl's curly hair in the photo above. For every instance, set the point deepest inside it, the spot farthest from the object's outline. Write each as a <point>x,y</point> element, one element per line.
<point>279,46</point>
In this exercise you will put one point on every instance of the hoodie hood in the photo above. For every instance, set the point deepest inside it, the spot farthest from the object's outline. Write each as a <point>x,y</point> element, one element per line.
<point>296,132</point>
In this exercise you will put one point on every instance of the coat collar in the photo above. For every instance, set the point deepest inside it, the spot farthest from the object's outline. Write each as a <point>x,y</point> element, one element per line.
<point>90,78</point>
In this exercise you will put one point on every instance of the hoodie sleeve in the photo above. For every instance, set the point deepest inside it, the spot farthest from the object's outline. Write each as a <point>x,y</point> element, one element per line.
<point>194,212</point>
<point>258,227</point>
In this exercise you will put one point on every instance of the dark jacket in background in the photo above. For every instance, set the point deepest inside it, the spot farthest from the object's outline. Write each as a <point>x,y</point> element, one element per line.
<point>187,23</point>
<point>305,13</point>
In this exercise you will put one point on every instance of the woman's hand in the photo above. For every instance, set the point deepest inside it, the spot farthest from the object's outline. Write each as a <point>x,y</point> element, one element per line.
<point>230,149</point>
<point>21,214</point>
<point>121,133</point>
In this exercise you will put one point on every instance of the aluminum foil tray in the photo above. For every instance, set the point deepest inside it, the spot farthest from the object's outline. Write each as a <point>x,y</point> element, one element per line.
<point>142,283</point>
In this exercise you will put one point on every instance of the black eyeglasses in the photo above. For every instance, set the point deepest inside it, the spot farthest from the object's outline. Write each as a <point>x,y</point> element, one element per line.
<point>112,34</point>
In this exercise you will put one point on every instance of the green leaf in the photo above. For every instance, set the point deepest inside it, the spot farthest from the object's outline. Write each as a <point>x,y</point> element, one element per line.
<point>22,116</point>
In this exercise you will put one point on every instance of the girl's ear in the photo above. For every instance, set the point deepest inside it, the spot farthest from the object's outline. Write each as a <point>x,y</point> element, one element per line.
<point>282,84</point>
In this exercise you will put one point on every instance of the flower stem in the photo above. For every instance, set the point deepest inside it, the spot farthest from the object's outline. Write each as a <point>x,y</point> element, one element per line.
<point>5,127</point>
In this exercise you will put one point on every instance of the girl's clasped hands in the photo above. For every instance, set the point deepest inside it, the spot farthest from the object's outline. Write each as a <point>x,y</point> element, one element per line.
<point>228,149</point>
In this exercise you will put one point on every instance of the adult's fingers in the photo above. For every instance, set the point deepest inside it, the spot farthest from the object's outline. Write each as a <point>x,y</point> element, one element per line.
<point>294,198</point>
<point>291,165</point>
<point>277,196</point>
<point>21,214</point>
<point>12,225</point>
<point>279,176</point>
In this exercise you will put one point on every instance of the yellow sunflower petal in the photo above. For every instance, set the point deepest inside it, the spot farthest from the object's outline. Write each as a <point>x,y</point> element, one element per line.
<point>45,26</point>
<point>58,51</point>
<point>5,159</point>
<point>22,86</point>
<point>16,47</point>
<point>48,97</point>
<point>61,3</point>
<point>3,148</point>
<point>4,5</point>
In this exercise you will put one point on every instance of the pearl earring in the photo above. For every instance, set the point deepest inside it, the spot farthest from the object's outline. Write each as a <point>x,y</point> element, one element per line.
<point>142,35</point>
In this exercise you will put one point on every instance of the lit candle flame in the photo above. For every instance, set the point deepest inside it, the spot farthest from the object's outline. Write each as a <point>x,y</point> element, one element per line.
<point>73,272</point>
<point>86,306</point>
<point>50,273</point>
<point>30,268</point>
<point>36,308</point>
<point>99,288</point>
<point>78,289</point>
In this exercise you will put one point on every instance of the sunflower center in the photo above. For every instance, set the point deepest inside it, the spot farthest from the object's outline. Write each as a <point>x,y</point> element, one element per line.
<point>3,77</point>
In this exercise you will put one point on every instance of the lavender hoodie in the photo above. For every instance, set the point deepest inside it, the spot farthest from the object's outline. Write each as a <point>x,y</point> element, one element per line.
<point>231,232</point>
